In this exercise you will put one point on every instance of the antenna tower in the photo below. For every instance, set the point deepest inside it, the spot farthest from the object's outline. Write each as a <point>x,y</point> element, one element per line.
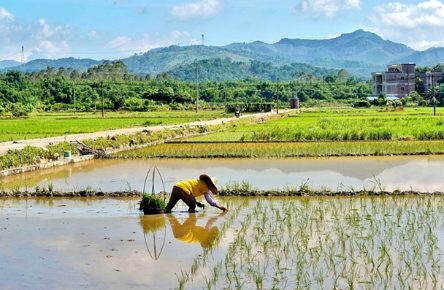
<point>23,55</point>
<point>203,42</point>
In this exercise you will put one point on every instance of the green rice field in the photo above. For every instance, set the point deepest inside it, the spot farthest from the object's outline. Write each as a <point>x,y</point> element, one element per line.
<point>51,125</point>
<point>340,125</point>
<point>325,243</point>
<point>286,149</point>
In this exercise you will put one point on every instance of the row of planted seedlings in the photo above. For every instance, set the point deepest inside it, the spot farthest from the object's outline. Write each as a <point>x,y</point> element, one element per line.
<point>350,128</point>
<point>204,262</point>
<point>365,242</point>
<point>286,149</point>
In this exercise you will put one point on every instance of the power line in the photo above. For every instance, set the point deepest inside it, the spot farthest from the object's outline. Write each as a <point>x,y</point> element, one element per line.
<point>7,57</point>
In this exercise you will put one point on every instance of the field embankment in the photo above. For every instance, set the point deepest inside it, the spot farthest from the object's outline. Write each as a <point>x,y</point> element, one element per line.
<point>29,155</point>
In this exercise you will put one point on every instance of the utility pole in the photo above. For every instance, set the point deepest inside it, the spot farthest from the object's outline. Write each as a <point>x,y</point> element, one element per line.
<point>74,99</point>
<point>103,101</point>
<point>197,85</point>
<point>23,59</point>
<point>434,99</point>
<point>23,55</point>
<point>277,96</point>
<point>225,94</point>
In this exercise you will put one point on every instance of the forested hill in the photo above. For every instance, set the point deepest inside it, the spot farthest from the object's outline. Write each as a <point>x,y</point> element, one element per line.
<point>162,60</point>
<point>225,69</point>
<point>359,53</point>
<point>80,65</point>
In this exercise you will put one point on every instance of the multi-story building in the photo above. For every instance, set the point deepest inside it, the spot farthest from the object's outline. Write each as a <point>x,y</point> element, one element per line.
<point>429,78</point>
<point>399,80</point>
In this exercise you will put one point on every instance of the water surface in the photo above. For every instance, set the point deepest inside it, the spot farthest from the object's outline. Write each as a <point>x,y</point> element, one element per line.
<point>421,173</point>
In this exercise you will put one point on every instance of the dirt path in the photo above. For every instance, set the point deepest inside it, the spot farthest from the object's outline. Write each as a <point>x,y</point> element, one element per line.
<point>19,145</point>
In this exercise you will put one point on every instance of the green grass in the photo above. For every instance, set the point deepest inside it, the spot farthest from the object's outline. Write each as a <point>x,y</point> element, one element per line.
<point>50,125</point>
<point>287,149</point>
<point>317,132</point>
<point>340,125</point>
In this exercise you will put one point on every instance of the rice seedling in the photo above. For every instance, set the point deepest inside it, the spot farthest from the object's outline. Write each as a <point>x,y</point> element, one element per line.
<point>351,242</point>
<point>285,149</point>
<point>247,186</point>
<point>304,187</point>
<point>182,279</point>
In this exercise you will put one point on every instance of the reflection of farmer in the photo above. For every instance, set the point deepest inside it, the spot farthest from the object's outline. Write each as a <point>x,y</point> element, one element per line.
<point>188,190</point>
<point>189,232</point>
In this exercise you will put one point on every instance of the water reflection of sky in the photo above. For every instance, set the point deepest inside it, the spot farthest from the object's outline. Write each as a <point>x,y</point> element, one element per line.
<point>418,172</point>
<point>94,244</point>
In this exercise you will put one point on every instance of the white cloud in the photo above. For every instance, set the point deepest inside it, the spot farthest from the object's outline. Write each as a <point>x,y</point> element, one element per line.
<point>92,34</point>
<point>39,37</point>
<point>420,25</point>
<point>200,8</point>
<point>49,47</point>
<point>5,14</point>
<point>331,36</point>
<point>150,41</point>
<point>327,8</point>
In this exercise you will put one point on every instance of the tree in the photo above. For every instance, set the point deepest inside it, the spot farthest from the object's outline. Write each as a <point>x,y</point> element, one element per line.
<point>61,72</point>
<point>117,100</point>
<point>330,78</point>
<point>342,75</point>
<point>419,85</point>
<point>381,100</point>
<point>75,76</point>
<point>15,78</point>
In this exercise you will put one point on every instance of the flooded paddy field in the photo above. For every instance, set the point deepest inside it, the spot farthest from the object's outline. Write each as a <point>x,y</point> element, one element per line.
<point>419,173</point>
<point>388,242</point>
<point>360,242</point>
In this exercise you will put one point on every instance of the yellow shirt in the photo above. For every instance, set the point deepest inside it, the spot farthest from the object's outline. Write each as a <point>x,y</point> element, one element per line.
<point>196,187</point>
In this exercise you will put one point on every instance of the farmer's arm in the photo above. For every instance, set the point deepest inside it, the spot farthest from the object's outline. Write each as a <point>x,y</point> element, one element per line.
<point>212,202</point>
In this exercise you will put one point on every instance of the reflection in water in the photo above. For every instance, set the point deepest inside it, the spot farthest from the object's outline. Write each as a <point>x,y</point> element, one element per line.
<point>154,224</point>
<point>189,232</point>
<point>421,173</point>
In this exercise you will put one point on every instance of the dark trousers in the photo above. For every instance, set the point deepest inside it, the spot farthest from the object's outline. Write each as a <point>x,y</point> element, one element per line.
<point>178,194</point>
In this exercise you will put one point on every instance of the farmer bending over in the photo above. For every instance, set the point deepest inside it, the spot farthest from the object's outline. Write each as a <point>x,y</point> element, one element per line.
<point>188,190</point>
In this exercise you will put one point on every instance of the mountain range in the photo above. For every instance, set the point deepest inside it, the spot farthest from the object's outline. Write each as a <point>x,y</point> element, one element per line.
<point>359,52</point>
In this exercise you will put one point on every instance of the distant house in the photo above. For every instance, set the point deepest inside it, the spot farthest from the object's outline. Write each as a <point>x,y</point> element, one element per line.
<point>399,80</point>
<point>430,78</point>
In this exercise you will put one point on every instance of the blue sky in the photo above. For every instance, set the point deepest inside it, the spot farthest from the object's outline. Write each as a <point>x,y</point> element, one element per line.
<point>114,29</point>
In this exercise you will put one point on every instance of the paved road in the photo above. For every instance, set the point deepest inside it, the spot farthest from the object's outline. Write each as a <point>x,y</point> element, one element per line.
<point>18,145</point>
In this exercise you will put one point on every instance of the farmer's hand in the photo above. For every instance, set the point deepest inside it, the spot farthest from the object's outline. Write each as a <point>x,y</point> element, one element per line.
<point>221,207</point>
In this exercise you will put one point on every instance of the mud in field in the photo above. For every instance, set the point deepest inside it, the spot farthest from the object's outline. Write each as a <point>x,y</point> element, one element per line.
<point>95,243</point>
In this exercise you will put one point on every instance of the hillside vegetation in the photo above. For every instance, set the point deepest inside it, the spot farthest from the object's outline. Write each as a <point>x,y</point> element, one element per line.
<point>359,52</point>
